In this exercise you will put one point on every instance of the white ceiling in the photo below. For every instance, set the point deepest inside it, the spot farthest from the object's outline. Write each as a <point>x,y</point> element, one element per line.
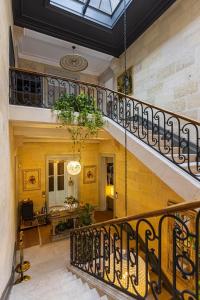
<point>39,132</point>
<point>42,48</point>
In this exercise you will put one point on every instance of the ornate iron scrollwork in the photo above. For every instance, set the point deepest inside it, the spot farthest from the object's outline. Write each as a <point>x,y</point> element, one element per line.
<point>131,256</point>
<point>174,137</point>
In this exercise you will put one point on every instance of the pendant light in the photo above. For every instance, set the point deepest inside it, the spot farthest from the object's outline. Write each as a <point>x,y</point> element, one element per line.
<point>73,62</point>
<point>74,167</point>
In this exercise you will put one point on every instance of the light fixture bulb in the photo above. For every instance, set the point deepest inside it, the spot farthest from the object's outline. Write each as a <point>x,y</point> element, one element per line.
<point>74,167</point>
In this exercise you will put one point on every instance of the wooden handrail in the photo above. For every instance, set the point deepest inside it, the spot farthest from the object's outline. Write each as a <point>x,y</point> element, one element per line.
<point>155,213</point>
<point>190,120</point>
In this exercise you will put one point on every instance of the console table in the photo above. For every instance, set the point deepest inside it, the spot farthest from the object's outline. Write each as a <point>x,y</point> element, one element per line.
<point>62,220</point>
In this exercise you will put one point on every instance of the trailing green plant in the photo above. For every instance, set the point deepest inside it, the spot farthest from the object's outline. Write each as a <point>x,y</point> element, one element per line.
<point>79,110</point>
<point>86,214</point>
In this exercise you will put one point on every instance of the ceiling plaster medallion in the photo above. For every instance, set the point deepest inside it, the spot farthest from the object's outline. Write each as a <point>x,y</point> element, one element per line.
<point>73,62</point>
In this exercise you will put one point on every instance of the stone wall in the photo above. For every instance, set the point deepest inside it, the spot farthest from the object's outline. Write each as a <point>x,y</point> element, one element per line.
<point>146,191</point>
<point>166,60</point>
<point>7,206</point>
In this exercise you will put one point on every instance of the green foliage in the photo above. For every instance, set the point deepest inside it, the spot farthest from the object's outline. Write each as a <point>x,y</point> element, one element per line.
<point>86,214</point>
<point>67,107</point>
<point>71,200</point>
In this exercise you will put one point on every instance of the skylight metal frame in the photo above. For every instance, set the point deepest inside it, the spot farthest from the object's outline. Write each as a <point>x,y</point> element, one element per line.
<point>83,9</point>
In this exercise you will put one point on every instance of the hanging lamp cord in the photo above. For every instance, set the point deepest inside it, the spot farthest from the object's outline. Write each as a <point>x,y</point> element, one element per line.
<point>125,111</point>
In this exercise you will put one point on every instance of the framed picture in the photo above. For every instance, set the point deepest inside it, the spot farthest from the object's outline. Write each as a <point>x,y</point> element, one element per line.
<point>122,82</point>
<point>89,174</point>
<point>31,179</point>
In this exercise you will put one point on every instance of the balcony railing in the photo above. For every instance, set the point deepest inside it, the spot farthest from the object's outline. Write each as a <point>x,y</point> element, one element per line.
<point>154,254</point>
<point>174,136</point>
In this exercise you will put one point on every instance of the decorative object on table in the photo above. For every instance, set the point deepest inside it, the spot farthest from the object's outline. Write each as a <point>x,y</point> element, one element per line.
<point>71,203</point>
<point>73,62</point>
<point>23,266</point>
<point>58,215</point>
<point>31,179</point>
<point>89,174</point>
<point>185,247</point>
<point>86,216</point>
<point>124,80</point>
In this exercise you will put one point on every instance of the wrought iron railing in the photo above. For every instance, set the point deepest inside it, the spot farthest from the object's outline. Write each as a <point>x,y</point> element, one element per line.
<point>153,254</point>
<point>174,136</point>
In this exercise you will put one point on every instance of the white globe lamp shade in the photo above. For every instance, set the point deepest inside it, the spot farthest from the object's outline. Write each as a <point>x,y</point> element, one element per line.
<point>74,167</point>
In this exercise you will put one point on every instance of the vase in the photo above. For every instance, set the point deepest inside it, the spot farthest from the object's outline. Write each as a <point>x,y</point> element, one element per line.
<point>90,117</point>
<point>75,117</point>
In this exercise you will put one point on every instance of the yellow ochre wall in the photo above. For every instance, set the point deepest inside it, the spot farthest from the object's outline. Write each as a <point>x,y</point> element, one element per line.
<point>33,155</point>
<point>146,191</point>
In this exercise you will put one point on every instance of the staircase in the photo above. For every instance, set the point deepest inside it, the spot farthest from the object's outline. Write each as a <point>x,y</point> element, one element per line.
<point>50,278</point>
<point>59,284</point>
<point>137,256</point>
<point>166,142</point>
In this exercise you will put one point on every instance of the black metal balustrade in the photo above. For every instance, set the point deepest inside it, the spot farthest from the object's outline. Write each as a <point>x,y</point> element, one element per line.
<point>174,136</point>
<point>154,254</point>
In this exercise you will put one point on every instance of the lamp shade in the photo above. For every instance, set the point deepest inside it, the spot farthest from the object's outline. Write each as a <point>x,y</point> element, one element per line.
<point>74,167</point>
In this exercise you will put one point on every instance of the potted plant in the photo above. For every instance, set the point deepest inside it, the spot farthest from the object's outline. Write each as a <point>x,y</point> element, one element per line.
<point>71,202</point>
<point>79,110</point>
<point>86,216</point>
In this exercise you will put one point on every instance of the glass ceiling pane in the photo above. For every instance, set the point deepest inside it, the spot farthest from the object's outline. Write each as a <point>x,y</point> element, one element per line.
<point>104,12</point>
<point>106,6</point>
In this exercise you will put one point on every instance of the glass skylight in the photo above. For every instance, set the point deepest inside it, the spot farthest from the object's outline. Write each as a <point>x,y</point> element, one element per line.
<point>104,12</point>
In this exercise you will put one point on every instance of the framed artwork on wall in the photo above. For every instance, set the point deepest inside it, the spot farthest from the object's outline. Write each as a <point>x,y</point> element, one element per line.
<point>31,179</point>
<point>89,174</point>
<point>121,79</point>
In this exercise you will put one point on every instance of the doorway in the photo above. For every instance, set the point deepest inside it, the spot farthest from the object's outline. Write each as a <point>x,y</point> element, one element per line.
<point>107,183</point>
<point>60,184</point>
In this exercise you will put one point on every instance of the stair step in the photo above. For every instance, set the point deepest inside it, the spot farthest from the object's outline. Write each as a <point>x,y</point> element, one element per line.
<point>67,293</point>
<point>104,298</point>
<point>90,295</point>
<point>31,287</point>
<point>192,157</point>
<point>193,167</point>
<point>163,150</point>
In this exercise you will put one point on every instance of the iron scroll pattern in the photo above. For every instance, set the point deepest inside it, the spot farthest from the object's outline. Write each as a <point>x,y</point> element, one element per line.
<point>121,255</point>
<point>175,137</point>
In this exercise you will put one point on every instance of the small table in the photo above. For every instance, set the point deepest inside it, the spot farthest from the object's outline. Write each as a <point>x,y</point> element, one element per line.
<point>63,216</point>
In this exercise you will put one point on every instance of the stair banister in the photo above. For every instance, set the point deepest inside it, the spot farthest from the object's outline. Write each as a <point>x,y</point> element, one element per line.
<point>174,136</point>
<point>132,253</point>
<point>42,74</point>
<point>183,206</point>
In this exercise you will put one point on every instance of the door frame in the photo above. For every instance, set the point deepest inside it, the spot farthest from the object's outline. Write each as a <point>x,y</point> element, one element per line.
<point>102,178</point>
<point>65,157</point>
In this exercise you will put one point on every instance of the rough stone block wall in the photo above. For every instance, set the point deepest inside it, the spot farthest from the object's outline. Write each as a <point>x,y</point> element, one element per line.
<point>166,60</point>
